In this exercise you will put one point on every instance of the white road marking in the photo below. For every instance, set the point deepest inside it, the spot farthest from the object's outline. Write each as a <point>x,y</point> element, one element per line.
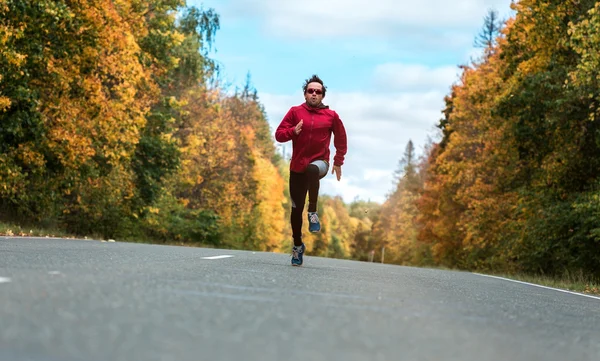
<point>4,279</point>
<point>54,273</point>
<point>533,284</point>
<point>217,257</point>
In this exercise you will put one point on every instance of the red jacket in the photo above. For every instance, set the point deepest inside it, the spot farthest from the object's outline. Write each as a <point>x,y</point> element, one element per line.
<point>313,141</point>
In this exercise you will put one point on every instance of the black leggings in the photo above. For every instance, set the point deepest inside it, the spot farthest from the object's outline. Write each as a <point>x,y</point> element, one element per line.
<point>300,184</point>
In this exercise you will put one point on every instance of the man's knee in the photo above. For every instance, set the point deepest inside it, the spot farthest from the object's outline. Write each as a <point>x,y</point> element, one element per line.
<point>297,206</point>
<point>312,170</point>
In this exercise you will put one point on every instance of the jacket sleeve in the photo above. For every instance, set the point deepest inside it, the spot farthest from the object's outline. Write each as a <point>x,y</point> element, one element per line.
<point>285,130</point>
<point>340,141</point>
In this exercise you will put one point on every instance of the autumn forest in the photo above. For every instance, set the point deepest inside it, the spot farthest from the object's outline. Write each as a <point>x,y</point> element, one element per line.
<point>114,122</point>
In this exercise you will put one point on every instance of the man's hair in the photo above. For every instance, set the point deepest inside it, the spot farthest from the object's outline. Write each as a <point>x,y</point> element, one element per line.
<point>314,79</point>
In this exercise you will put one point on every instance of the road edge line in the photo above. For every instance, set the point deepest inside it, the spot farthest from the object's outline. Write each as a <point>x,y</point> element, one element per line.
<point>218,257</point>
<point>533,284</point>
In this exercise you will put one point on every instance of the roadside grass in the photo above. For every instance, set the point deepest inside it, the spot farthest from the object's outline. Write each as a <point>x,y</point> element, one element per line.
<point>12,229</point>
<point>15,230</point>
<point>568,281</point>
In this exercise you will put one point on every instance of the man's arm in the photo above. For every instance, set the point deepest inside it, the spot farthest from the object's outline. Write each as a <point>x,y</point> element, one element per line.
<point>339,141</point>
<point>341,146</point>
<point>285,130</point>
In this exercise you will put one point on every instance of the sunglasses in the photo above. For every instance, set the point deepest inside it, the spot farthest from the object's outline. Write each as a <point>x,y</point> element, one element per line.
<point>317,91</point>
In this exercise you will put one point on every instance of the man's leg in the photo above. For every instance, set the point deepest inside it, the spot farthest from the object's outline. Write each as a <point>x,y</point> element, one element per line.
<point>298,189</point>
<point>314,172</point>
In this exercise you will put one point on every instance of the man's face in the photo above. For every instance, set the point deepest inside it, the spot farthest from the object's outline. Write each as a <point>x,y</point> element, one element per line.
<point>314,94</point>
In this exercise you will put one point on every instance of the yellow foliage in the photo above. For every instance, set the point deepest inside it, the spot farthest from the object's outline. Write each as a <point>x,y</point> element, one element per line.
<point>270,212</point>
<point>4,103</point>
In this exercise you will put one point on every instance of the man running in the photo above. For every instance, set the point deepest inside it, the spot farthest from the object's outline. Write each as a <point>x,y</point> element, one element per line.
<point>309,126</point>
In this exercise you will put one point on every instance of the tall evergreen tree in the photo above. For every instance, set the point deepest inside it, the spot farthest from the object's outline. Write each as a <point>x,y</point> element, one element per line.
<point>490,30</point>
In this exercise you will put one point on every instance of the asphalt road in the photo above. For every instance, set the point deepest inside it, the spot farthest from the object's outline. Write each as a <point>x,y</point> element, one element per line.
<point>88,300</point>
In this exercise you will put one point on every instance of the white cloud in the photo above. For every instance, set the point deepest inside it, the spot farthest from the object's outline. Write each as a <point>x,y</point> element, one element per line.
<point>378,182</point>
<point>349,188</point>
<point>398,76</point>
<point>317,18</point>
<point>379,126</point>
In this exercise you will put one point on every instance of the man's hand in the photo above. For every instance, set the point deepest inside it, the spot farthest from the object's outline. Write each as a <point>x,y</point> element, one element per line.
<point>338,171</point>
<point>298,127</point>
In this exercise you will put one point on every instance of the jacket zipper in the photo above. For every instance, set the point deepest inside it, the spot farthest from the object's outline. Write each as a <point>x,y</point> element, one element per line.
<point>312,123</point>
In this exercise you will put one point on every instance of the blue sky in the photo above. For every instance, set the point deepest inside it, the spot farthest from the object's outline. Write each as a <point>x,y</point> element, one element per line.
<point>387,65</point>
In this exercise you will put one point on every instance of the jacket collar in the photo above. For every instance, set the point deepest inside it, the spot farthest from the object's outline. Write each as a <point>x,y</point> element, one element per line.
<point>317,109</point>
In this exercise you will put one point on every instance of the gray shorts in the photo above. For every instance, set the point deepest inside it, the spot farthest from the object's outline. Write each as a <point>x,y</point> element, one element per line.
<point>323,167</point>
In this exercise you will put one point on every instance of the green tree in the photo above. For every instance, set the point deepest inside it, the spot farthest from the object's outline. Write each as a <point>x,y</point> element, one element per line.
<point>490,31</point>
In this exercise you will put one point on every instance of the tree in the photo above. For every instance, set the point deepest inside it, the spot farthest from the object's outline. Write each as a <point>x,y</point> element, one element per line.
<point>490,30</point>
<point>513,185</point>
